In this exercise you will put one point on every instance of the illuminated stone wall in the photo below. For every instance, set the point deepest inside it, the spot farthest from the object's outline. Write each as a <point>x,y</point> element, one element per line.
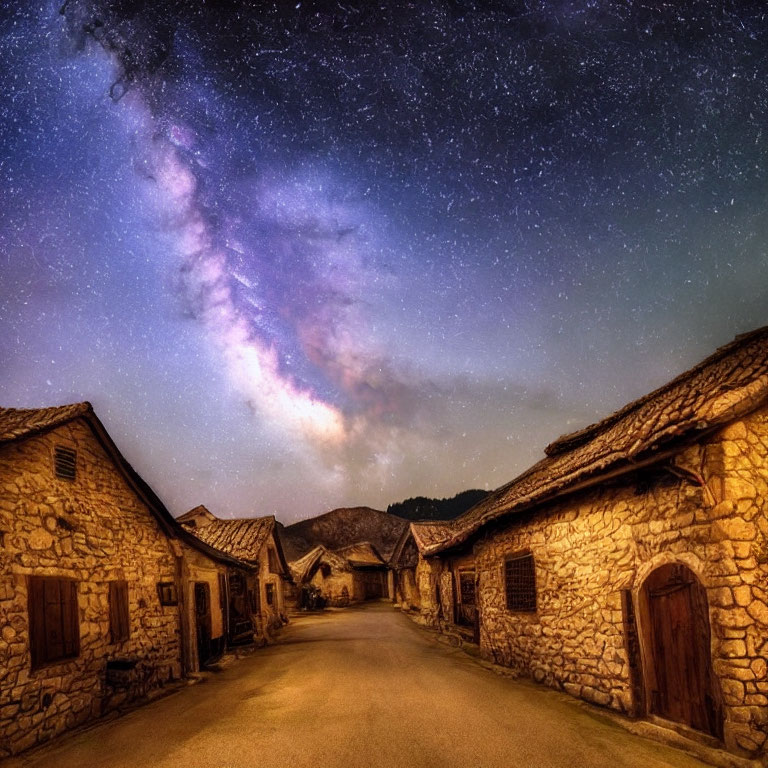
<point>339,588</point>
<point>273,616</point>
<point>93,529</point>
<point>711,516</point>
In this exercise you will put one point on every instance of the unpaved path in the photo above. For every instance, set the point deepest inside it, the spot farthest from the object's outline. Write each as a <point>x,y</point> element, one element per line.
<point>362,687</point>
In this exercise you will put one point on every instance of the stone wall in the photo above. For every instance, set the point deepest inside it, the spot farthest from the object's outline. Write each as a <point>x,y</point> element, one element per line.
<point>93,529</point>
<point>273,616</point>
<point>198,567</point>
<point>338,587</point>
<point>710,515</point>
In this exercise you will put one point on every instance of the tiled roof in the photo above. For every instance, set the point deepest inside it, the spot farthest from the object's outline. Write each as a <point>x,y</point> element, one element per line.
<point>241,538</point>
<point>17,423</point>
<point>361,554</point>
<point>303,568</point>
<point>22,423</point>
<point>722,388</point>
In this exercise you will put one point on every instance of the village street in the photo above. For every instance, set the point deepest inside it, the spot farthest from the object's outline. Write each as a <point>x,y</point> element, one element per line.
<point>360,687</point>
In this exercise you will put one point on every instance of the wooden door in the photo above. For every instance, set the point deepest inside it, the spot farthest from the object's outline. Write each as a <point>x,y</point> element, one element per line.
<point>203,622</point>
<point>682,685</point>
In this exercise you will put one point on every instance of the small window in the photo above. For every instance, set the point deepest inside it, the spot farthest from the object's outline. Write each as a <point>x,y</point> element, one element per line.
<point>64,462</point>
<point>520,583</point>
<point>119,619</point>
<point>166,591</point>
<point>467,587</point>
<point>54,620</point>
<point>270,594</point>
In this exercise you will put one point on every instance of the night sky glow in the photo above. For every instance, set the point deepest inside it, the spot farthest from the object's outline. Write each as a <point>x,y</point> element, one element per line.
<point>305,255</point>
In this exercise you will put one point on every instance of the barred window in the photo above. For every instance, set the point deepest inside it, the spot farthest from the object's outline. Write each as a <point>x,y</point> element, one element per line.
<point>520,583</point>
<point>64,462</point>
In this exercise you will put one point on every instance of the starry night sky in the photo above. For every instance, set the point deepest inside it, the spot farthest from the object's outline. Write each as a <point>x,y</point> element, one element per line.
<point>304,255</point>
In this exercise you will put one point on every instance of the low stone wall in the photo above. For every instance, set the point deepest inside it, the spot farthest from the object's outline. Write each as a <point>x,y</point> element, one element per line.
<point>712,517</point>
<point>93,529</point>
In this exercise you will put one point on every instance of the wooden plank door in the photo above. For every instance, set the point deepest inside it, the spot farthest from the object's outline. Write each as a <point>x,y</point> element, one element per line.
<point>203,621</point>
<point>683,687</point>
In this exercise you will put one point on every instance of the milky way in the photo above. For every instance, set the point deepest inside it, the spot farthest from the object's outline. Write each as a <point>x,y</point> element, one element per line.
<point>303,255</point>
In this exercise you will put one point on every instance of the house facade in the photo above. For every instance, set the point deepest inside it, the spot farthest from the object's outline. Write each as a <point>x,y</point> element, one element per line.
<point>630,566</point>
<point>342,577</point>
<point>254,541</point>
<point>438,592</point>
<point>94,578</point>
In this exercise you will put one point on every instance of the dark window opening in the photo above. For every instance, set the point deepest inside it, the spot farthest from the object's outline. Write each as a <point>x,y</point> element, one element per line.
<point>270,594</point>
<point>520,583</point>
<point>64,462</point>
<point>166,591</point>
<point>467,587</point>
<point>54,620</point>
<point>119,619</point>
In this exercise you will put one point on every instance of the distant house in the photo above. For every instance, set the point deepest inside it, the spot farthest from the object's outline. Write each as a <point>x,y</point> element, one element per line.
<point>252,540</point>
<point>344,576</point>
<point>438,592</point>
<point>629,567</point>
<point>101,593</point>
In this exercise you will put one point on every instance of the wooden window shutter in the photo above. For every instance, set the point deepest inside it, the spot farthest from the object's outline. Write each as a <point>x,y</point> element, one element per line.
<point>119,618</point>
<point>54,619</point>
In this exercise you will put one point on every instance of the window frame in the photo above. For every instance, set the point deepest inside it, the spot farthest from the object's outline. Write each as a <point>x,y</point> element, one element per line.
<point>467,576</point>
<point>269,593</point>
<point>530,606</point>
<point>167,593</point>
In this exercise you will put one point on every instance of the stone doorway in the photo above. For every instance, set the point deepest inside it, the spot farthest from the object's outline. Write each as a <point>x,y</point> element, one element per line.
<point>680,684</point>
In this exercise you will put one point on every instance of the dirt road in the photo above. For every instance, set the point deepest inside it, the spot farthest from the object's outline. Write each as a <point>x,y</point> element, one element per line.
<point>362,687</point>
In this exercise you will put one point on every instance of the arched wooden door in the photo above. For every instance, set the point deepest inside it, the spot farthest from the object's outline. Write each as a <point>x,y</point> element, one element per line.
<point>681,684</point>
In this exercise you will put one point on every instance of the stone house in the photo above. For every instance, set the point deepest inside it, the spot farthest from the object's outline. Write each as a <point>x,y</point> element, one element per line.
<point>252,540</point>
<point>438,592</point>
<point>629,567</point>
<point>95,577</point>
<point>343,576</point>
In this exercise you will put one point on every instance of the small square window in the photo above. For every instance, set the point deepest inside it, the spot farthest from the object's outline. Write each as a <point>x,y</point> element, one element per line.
<point>166,591</point>
<point>520,583</point>
<point>64,462</point>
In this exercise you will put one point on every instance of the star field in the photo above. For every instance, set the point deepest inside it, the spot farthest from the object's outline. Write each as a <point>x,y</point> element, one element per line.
<point>305,255</point>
